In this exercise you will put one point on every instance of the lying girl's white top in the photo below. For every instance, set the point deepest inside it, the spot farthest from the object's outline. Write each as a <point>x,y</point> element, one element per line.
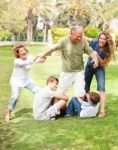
<point>88,110</point>
<point>20,74</point>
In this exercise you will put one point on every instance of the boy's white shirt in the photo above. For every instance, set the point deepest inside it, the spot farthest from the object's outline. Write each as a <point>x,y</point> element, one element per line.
<point>42,102</point>
<point>88,110</point>
<point>20,74</point>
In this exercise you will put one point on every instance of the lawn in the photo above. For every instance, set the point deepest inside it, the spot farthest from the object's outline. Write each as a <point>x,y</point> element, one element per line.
<point>23,133</point>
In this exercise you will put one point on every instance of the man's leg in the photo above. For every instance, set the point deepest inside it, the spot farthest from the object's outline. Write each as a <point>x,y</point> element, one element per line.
<point>65,80</point>
<point>79,84</point>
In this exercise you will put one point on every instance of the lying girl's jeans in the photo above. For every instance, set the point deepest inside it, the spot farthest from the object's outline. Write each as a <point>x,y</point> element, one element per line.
<point>15,93</point>
<point>74,107</point>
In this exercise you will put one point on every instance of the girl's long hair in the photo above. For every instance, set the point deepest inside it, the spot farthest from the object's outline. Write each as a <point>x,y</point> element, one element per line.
<point>110,46</point>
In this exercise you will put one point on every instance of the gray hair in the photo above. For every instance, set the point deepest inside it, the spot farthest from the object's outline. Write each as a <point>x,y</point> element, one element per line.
<point>77,28</point>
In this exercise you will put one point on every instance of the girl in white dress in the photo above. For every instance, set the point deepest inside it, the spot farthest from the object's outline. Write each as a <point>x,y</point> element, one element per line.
<point>20,76</point>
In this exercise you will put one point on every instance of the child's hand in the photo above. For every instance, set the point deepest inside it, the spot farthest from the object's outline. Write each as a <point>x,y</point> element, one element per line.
<point>42,59</point>
<point>39,59</point>
<point>80,99</point>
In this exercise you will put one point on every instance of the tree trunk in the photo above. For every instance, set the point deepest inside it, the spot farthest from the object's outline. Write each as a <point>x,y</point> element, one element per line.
<point>15,37</point>
<point>30,26</point>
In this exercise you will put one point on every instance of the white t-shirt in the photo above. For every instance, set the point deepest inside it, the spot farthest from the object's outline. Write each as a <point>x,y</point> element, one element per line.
<point>42,102</point>
<point>88,110</point>
<point>20,74</point>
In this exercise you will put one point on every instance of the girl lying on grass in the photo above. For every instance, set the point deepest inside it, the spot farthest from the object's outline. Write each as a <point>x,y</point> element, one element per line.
<point>88,107</point>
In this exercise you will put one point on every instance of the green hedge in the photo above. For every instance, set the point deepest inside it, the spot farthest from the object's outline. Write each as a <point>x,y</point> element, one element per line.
<point>5,35</point>
<point>58,33</point>
<point>92,32</point>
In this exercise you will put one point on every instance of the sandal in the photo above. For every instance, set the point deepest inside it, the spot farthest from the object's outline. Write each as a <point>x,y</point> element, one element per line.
<point>101,114</point>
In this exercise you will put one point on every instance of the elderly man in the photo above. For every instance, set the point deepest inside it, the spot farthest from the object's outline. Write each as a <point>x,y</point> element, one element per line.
<point>72,49</point>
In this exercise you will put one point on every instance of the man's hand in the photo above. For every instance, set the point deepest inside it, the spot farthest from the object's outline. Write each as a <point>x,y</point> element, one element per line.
<point>40,59</point>
<point>41,55</point>
<point>95,64</point>
<point>94,57</point>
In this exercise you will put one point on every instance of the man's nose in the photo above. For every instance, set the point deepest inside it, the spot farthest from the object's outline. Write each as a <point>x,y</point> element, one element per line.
<point>79,38</point>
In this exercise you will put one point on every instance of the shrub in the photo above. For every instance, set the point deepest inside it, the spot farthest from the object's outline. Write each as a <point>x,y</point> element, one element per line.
<point>5,35</point>
<point>92,32</point>
<point>58,33</point>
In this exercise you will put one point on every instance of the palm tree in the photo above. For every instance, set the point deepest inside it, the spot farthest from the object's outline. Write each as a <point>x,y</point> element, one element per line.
<point>11,19</point>
<point>31,9</point>
<point>3,5</point>
<point>80,9</point>
<point>109,10</point>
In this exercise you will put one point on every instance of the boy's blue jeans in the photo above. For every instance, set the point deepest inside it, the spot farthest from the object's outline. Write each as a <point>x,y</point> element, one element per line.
<point>15,93</point>
<point>74,107</point>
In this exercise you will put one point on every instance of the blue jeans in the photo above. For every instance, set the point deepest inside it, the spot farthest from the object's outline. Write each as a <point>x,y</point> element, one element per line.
<point>15,93</point>
<point>74,107</point>
<point>99,73</point>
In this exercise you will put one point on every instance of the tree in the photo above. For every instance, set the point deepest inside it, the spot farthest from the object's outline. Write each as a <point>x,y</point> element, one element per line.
<point>87,12</point>
<point>3,5</point>
<point>82,11</point>
<point>11,19</point>
<point>109,10</point>
<point>31,9</point>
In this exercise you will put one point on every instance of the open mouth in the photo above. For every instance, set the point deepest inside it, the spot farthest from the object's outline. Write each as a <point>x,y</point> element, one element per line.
<point>101,43</point>
<point>24,54</point>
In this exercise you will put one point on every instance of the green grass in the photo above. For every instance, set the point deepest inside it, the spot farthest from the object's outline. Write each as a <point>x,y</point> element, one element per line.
<point>23,133</point>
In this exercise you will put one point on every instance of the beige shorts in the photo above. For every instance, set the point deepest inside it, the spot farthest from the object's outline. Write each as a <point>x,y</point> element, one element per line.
<point>52,111</point>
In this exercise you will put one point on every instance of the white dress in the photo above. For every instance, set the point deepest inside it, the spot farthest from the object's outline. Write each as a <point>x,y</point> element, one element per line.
<point>20,74</point>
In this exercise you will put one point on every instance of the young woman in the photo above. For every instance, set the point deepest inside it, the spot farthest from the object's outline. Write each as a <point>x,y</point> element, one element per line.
<point>104,47</point>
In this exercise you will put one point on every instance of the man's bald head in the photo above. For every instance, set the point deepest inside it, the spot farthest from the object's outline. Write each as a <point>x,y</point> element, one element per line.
<point>76,34</point>
<point>77,29</point>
